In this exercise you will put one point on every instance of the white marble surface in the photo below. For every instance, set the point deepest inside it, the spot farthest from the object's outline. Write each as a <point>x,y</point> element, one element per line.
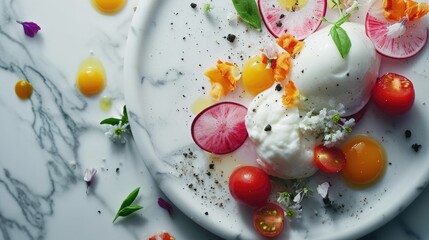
<point>42,194</point>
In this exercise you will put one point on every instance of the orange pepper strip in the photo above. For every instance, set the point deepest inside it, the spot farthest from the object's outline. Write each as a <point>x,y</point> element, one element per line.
<point>282,67</point>
<point>290,44</point>
<point>415,10</point>
<point>291,95</point>
<point>223,79</point>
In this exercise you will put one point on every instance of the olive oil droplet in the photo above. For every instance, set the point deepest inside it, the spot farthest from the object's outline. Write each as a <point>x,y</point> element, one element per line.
<point>105,103</point>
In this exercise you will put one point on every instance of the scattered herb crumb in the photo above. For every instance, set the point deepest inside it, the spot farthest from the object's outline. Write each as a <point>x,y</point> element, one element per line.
<point>207,7</point>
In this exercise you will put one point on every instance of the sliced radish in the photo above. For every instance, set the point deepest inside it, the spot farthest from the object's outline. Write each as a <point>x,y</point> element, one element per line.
<point>407,45</point>
<point>297,17</point>
<point>220,128</point>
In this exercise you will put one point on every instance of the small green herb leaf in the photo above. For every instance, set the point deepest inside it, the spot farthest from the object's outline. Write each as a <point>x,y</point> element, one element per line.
<point>126,207</point>
<point>342,20</point>
<point>248,12</point>
<point>127,211</point>
<point>111,121</point>
<point>341,40</point>
<point>130,198</point>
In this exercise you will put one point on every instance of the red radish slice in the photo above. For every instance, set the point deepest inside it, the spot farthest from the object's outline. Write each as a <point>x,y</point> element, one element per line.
<point>297,17</point>
<point>404,46</point>
<point>220,128</point>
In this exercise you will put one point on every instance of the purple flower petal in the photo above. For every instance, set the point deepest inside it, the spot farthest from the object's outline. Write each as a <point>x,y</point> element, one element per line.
<point>89,175</point>
<point>30,28</point>
<point>166,205</point>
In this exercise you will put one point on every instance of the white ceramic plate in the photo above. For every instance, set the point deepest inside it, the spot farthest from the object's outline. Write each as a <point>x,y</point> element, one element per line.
<point>169,47</point>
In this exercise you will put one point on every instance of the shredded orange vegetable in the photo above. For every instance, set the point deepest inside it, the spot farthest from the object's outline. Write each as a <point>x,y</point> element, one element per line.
<point>223,79</point>
<point>290,44</point>
<point>395,10</point>
<point>282,67</point>
<point>291,96</point>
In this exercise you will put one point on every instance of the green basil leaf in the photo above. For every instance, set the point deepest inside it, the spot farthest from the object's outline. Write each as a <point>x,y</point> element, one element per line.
<point>111,121</point>
<point>248,12</point>
<point>341,40</point>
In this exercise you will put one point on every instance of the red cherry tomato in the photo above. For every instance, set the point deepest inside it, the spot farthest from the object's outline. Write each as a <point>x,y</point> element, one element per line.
<point>269,220</point>
<point>250,185</point>
<point>393,94</point>
<point>329,159</point>
<point>162,236</point>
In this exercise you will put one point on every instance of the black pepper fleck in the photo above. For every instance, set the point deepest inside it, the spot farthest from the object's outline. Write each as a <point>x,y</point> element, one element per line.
<point>416,147</point>
<point>206,213</point>
<point>193,5</point>
<point>267,128</point>
<point>407,133</point>
<point>211,166</point>
<point>278,87</point>
<point>117,170</point>
<point>99,211</point>
<point>231,37</point>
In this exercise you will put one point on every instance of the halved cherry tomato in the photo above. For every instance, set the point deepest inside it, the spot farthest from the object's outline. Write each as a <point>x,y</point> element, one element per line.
<point>393,94</point>
<point>162,236</point>
<point>329,159</point>
<point>269,220</point>
<point>250,185</point>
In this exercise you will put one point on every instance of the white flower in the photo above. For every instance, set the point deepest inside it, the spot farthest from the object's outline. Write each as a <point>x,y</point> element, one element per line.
<point>328,124</point>
<point>351,8</point>
<point>271,50</point>
<point>397,29</point>
<point>322,189</point>
<point>117,133</point>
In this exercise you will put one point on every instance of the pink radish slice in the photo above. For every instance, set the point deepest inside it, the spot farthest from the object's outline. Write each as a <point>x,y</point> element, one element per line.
<point>220,128</point>
<point>301,20</point>
<point>405,46</point>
